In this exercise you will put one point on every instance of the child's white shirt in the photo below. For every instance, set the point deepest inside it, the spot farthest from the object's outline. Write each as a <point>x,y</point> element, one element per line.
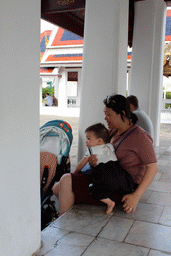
<point>105,153</point>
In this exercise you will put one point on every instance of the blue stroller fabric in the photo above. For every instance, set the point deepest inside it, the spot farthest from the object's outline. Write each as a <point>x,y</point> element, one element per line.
<point>56,138</point>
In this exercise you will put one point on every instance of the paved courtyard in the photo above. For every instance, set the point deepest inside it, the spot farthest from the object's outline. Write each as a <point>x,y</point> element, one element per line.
<point>86,230</point>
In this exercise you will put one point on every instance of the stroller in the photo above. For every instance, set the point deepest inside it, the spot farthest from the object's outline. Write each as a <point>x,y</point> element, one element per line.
<point>55,143</point>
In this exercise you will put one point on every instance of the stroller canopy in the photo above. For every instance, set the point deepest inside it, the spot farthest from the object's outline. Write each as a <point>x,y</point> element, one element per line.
<point>56,138</point>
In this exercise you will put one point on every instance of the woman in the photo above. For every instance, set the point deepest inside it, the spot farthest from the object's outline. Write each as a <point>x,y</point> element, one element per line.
<point>134,150</point>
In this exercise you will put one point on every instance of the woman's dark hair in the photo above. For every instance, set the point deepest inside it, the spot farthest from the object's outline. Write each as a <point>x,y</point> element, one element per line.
<point>100,131</point>
<point>119,103</point>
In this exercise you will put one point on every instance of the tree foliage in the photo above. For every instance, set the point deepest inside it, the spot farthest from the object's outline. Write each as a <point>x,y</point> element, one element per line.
<point>47,90</point>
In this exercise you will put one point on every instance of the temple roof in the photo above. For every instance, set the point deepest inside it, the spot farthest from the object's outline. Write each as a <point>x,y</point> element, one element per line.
<point>65,48</point>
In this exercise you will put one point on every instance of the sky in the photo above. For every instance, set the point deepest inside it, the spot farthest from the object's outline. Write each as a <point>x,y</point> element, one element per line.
<point>44,25</point>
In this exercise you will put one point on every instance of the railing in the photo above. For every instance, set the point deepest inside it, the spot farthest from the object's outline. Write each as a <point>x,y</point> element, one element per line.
<point>166,111</point>
<point>166,105</point>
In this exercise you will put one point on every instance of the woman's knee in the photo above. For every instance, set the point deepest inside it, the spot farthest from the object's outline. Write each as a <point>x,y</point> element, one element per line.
<point>66,180</point>
<point>55,189</point>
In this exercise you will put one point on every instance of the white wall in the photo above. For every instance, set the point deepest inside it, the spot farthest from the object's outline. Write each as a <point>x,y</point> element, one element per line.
<point>19,128</point>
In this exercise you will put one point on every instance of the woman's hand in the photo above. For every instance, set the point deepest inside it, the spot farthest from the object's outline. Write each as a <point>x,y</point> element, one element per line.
<point>130,202</point>
<point>93,160</point>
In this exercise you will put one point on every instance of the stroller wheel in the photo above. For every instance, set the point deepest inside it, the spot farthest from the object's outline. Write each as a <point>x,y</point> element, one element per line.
<point>48,214</point>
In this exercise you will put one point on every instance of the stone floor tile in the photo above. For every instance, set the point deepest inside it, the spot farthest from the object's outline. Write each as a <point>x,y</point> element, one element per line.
<point>49,238</point>
<point>165,177</point>
<point>168,149</point>
<point>160,198</point>
<point>160,150</point>
<point>165,157</point>
<point>160,186</point>
<point>169,164</point>
<point>146,212</point>
<point>158,176</point>
<point>84,222</point>
<point>106,247</point>
<point>167,153</point>
<point>90,208</point>
<point>158,253</point>
<point>158,156</point>
<point>150,235</point>
<point>73,244</point>
<point>165,218</point>
<point>162,168</point>
<point>162,162</point>
<point>116,229</point>
<point>145,196</point>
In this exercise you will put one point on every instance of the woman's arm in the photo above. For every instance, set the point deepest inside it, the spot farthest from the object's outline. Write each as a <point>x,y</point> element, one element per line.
<point>81,164</point>
<point>131,200</point>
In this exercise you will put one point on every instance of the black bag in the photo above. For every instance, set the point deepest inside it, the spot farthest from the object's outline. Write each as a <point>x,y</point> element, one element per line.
<point>108,178</point>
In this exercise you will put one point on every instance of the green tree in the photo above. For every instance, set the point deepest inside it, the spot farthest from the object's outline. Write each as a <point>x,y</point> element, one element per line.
<point>47,90</point>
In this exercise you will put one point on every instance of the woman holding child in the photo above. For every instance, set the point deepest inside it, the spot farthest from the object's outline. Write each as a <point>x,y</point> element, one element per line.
<point>135,153</point>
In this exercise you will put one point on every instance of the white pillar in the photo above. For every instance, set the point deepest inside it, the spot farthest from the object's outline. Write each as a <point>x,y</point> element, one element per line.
<point>62,101</point>
<point>146,74</point>
<point>56,82</point>
<point>19,127</point>
<point>104,59</point>
<point>40,93</point>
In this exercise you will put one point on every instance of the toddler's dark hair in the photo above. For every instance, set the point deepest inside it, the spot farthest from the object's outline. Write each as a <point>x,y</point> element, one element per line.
<point>100,131</point>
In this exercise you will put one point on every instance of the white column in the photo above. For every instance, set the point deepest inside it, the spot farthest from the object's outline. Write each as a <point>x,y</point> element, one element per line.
<point>62,99</point>
<point>19,127</point>
<point>56,82</point>
<point>146,74</point>
<point>40,93</point>
<point>104,59</point>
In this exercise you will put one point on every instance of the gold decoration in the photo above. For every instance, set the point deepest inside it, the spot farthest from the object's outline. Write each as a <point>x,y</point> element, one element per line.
<point>46,40</point>
<point>65,2</point>
<point>167,60</point>
<point>167,53</point>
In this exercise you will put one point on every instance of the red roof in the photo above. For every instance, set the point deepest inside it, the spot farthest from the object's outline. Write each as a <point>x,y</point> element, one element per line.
<point>64,37</point>
<point>46,70</point>
<point>65,57</point>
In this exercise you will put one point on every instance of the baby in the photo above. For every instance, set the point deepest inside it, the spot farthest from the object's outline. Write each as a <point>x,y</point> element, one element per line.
<point>97,143</point>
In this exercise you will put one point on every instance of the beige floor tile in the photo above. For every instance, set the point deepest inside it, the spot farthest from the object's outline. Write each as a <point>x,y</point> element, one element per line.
<point>106,247</point>
<point>150,235</point>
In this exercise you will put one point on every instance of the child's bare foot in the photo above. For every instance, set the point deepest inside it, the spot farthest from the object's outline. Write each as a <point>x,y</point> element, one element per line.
<point>110,207</point>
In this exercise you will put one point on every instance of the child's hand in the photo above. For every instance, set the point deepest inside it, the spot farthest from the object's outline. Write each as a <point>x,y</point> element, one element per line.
<point>76,171</point>
<point>93,160</point>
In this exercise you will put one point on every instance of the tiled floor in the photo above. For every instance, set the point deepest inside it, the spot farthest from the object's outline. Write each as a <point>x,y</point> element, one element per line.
<point>86,230</point>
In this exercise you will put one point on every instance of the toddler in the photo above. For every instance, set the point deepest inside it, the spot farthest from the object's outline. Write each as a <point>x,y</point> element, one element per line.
<point>97,138</point>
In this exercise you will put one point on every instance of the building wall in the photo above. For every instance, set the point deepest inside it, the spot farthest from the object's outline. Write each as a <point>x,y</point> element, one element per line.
<point>64,109</point>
